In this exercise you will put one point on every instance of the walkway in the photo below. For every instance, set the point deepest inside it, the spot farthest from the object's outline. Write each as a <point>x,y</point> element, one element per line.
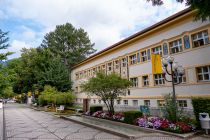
<point>23,123</point>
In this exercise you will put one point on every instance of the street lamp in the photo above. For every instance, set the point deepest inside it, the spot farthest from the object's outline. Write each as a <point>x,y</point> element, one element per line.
<point>176,71</point>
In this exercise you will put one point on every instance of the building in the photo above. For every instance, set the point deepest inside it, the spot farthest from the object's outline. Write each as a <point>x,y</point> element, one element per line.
<point>179,36</point>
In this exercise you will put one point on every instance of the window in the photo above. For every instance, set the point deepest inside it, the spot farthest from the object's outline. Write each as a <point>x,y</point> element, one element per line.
<point>99,101</point>
<point>124,62</point>
<point>94,71</point>
<point>182,103</point>
<point>200,38</point>
<point>145,80</point>
<point>157,50</point>
<point>109,66</point>
<point>147,102</point>
<point>203,73</point>
<point>186,42</point>
<point>76,90</point>
<point>143,56</point>
<point>94,101</point>
<point>134,81</point>
<point>159,80</point>
<point>103,68</point>
<point>77,76</point>
<point>125,102</point>
<point>160,103</point>
<point>99,68</point>
<point>116,64</point>
<point>85,73</point>
<point>80,75</point>
<point>89,73</point>
<point>133,59</point>
<point>148,54</point>
<point>165,49</point>
<point>118,102</point>
<point>135,102</point>
<point>138,57</point>
<point>176,46</point>
<point>180,79</point>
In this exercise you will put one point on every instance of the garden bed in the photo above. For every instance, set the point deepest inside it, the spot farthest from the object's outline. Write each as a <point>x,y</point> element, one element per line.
<point>148,122</point>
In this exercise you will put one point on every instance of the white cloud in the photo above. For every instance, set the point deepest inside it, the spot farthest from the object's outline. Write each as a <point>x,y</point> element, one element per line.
<point>16,47</point>
<point>106,21</point>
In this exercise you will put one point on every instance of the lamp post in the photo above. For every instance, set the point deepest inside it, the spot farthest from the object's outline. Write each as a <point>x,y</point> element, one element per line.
<point>175,72</point>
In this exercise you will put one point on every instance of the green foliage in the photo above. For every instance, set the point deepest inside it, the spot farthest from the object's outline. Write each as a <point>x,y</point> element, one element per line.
<point>131,116</point>
<point>200,105</point>
<point>202,7</point>
<point>71,44</point>
<point>95,108</point>
<point>7,93</point>
<point>107,87</point>
<point>51,96</point>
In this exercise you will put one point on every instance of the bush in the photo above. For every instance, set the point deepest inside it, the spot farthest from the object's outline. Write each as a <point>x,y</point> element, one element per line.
<point>95,109</point>
<point>50,96</point>
<point>131,116</point>
<point>200,105</point>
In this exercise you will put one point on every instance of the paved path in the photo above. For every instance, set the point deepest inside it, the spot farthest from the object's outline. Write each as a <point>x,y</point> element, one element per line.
<point>23,123</point>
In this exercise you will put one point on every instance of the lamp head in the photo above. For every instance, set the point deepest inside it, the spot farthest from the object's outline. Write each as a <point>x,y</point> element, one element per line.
<point>170,59</point>
<point>175,66</point>
<point>164,62</point>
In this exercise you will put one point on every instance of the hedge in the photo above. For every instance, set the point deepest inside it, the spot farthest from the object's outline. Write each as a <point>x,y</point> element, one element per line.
<point>95,108</point>
<point>200,105</point>
<point>131,116</point>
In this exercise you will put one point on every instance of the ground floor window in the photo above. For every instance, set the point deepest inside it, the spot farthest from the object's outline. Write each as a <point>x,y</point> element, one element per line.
<point>125,102</point>
<point>99,101</point>
<point>147,102</point>
<point>182,103</point>
<point>135,102</point>
<point>118,102</point>
<point>160,103</point>
<point>94,101</point>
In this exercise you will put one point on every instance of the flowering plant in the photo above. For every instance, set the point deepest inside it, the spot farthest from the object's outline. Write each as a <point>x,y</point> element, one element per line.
<point>97,114</point>
<point>118,117</point>
<point>164,124</point>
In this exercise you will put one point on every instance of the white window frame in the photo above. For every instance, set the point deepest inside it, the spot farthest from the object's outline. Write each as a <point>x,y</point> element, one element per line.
<point>144,56</point>
<point>116,64</point>
<point>133,59</point>
<point>159,78</point>
<point>134,81</point>
<point>109,66</point>
<point>135,103</point>
<point>125,102</point>
<point>204,38</point>
<point>203,73</point>
<point>182,103</point>
<point>124,62</point>
<point>118,102</point>
<point>160,103</point>
<point>145,81</point>
<point>176,46</point>
<point>157,50</point>
<point>147,102</point>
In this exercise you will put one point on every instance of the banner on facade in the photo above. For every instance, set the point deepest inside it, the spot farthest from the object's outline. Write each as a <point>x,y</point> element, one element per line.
<point>156,64</point>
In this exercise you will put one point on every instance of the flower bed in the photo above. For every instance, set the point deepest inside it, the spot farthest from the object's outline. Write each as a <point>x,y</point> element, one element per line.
<point>150,122</point>
<point>166,125</point>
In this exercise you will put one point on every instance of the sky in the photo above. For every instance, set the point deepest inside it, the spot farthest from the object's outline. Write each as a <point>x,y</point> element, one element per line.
<point>106,21</point>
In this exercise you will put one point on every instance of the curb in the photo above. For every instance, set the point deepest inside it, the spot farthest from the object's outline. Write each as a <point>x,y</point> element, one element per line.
<point>100,128</point>
<point>183,136</point>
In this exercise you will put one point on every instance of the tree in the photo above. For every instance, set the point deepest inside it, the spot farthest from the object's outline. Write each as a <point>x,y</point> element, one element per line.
<point>56,74</point>
<point>107,87</point>
<point>71,44</point>
<point>4,44</point>
<point>202,7</point>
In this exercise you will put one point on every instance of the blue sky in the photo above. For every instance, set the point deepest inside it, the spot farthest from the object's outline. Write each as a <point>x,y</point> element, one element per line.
<point>106,21</point>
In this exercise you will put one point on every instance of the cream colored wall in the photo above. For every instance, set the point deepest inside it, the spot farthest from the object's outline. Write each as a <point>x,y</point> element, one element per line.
<point>188,59</point>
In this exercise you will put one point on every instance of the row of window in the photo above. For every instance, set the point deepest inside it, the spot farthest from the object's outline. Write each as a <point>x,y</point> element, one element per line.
<point>203,75</point>
<point>198,39</point>
<point>158,80</point>
<point>135,103</point>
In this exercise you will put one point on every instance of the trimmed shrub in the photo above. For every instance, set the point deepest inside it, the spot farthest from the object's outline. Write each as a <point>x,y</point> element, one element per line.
<point>200,105</point>
<point>131,116</point>
<point>95,109</point>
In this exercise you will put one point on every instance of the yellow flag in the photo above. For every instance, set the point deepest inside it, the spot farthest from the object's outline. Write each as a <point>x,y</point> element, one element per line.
<point>29,94</point>
<point>156,64</point>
